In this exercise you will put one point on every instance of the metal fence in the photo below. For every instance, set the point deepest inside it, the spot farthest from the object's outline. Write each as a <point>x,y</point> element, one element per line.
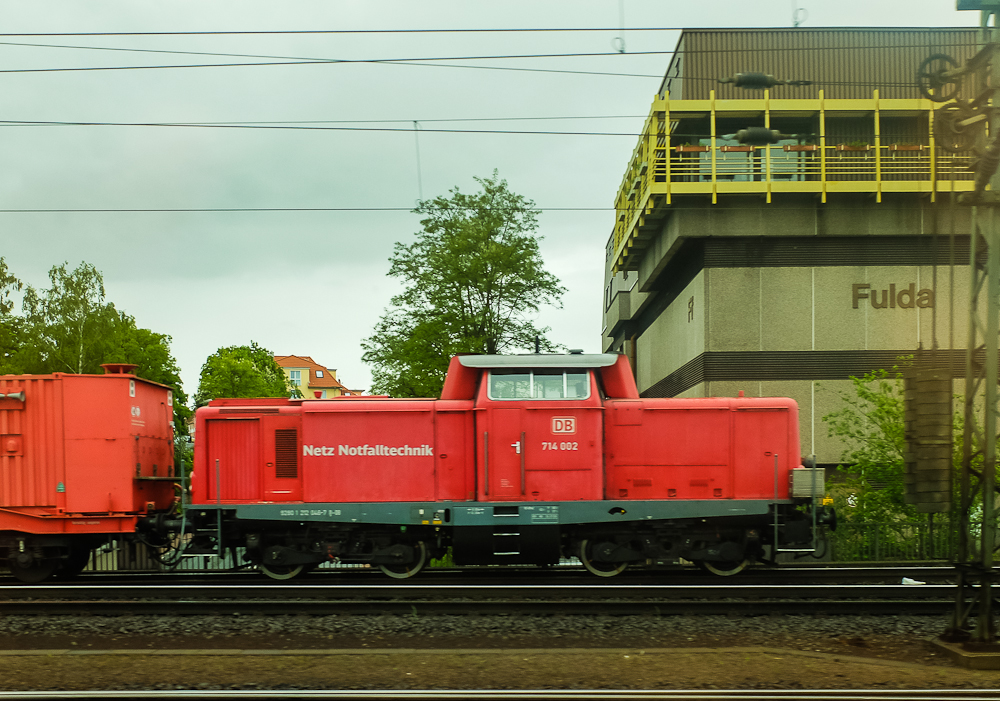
<point>123,555</point>
<point>891,541</point>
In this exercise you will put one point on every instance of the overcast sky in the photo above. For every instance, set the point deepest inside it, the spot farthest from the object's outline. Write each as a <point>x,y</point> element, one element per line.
<point>314,283</point>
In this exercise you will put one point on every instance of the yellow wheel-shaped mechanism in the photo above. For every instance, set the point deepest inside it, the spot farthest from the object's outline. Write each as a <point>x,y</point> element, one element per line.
<point>724,569</point>
<point>281,571</point>
<point>601,569</point>
<point>409,569</point>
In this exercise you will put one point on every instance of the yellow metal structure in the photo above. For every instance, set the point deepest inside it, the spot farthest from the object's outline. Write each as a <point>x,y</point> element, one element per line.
<point>659,172</point>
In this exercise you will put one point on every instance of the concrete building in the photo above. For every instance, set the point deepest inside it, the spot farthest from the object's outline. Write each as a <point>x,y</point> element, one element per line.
<point>312,379</point>
<point>784,269</point>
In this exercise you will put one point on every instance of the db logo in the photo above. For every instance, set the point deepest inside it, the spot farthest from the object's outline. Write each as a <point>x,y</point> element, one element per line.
<point>136,411</point>
<point>563,424</point>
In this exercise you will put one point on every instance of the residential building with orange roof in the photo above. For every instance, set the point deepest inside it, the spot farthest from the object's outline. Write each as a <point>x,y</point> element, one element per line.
<point>313,380</point>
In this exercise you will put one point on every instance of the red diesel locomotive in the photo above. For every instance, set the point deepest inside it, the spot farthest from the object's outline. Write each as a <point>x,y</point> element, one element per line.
<point>523,460</point>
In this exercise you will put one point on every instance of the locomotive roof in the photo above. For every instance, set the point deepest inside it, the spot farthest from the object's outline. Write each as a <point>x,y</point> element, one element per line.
<point>537,360</point>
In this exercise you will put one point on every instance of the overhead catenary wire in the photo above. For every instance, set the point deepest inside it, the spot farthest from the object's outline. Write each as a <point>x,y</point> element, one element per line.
<point>167,210</point>
<point>438,30</point>
<point>278,60</point>
<point>224,210</point>
<point>313,63</point>
<point>407,130</point>
<point>934,46</point>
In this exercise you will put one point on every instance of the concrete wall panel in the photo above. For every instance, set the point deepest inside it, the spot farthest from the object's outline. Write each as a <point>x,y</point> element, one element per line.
<point>677,335</point>
<point>786,309</point>
<point>836,329</point>
<point>734,309</point>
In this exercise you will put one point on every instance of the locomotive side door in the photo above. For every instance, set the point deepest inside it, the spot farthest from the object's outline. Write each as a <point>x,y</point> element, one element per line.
<point>504,475</point>
<point>233,452</point>
<point>282,472</point>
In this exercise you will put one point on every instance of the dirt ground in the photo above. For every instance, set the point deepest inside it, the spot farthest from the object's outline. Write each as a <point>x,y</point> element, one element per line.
<point>877,662</point>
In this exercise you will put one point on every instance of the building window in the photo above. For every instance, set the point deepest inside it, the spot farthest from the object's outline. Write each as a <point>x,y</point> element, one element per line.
<point>319,373</point>
<point>295,376</point>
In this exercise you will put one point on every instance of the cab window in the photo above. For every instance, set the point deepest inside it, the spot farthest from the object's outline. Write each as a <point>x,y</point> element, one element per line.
<point>539,384</point>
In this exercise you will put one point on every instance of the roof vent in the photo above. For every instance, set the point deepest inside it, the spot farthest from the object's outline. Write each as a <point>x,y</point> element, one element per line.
<point>118,368</point>
<point>576,351</point>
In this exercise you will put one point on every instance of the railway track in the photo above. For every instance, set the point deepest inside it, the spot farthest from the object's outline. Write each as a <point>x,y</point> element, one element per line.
<point>530,695</point>
<point>472,599</point>
<point>568,576</point>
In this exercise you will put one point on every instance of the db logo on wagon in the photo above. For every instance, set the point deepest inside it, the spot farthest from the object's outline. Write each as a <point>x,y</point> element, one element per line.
<point>563,424</point>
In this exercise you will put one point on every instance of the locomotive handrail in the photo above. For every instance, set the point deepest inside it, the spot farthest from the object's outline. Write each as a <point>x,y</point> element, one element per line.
<point>523,450</point>
<point>218,510</point>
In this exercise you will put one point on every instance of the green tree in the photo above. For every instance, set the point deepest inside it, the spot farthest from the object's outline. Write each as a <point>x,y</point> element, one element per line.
<point>473,279</point>
<point>150,351</point>
<point>69,327</point>
<point>870,423</point>
<point>241,371</point>
<point>11,327</point>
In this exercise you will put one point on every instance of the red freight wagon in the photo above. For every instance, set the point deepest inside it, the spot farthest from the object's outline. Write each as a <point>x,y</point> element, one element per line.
<point>81,457</point>
<point>524,459</point>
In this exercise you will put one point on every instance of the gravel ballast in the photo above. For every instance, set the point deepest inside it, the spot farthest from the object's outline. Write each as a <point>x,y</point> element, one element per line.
<point>504,652</point>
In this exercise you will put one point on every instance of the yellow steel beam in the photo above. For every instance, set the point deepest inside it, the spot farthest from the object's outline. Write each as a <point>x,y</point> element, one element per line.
<point>715,193</point>
<point>933,154</point>
<point>767,151</point>
<point>822,145</point>
<point>878,150</point>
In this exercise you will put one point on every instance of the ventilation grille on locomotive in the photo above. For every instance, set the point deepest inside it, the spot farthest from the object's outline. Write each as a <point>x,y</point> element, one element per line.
<point>286,452</point>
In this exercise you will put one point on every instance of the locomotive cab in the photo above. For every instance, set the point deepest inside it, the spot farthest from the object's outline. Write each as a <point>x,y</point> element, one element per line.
<point>539,432</point>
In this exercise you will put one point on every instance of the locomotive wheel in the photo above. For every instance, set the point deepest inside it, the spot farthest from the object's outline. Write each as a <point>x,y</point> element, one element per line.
<point>281,572</point>
<point>724,569</point>
<point>601,569</point>
<point>34,572</point>
<point>408,570</point>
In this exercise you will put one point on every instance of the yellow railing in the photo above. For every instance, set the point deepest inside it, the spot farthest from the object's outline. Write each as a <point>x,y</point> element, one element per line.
<point>658,172</point>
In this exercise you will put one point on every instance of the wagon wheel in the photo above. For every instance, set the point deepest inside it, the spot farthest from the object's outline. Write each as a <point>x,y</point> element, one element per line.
<point>931,81</point>
<point>408,570</point>
<point>33,572</point>
<point>74,563</point>
<point>281,572</point>
<point>723,569</point>
<point>601,569</point>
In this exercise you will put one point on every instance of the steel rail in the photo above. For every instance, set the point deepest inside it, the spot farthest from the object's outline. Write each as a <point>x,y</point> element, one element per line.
<point>930,573</point>
<point>478,592</point>
<point>477,599</point>
<point>527,695</point>
<point>440,608</point>
<point>567,575</point>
